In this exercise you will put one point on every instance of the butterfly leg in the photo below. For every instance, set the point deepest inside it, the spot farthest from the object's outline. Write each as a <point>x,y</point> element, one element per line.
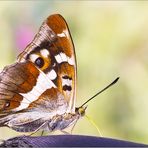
<point>64,132</point>
<point>73,127</point>
<point>42,132</point>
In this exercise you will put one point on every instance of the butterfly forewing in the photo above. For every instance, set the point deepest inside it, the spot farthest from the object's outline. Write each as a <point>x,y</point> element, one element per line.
<point>42,81</point>
<point>54,45</point>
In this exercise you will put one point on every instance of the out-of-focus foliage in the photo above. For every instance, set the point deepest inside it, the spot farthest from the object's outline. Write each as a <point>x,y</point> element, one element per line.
<point>111,39</point>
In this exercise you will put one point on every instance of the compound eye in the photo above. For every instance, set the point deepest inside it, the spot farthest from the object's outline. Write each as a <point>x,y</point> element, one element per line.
<point>39,62</point>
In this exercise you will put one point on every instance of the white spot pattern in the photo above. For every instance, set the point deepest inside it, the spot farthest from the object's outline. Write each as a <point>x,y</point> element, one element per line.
<point>44,52</point>
<point>52,75</point>
<point>61,57</point>
<point>66,82</point>
<point>63,34</point>
<point>33,57</point>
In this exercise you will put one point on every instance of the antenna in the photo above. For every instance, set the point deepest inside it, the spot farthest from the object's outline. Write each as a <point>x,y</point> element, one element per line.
<point>101,91</point>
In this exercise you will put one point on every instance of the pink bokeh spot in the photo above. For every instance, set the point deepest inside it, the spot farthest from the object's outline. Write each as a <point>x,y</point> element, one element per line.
<point>24,36</point>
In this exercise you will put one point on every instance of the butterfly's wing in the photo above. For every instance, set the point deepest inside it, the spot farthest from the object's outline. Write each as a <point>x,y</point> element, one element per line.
<point>42,82</point>
<point>54,45</point>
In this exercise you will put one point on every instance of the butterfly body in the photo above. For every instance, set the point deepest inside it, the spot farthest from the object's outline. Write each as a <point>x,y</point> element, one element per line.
<point>39,90</point>
<point>24,123</point>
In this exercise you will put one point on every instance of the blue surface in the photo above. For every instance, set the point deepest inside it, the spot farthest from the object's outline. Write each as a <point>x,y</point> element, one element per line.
<point>68,141</point>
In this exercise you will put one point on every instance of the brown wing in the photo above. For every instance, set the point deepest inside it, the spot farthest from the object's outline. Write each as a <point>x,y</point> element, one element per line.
<point>27,96</point>
<point>52,51</point>
<point>42,81</point>
<point>46,69</point>
<point>14,80</point>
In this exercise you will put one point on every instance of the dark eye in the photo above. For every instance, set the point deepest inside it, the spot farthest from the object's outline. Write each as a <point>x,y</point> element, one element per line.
<point>39,62</point>
<point>7,104</point>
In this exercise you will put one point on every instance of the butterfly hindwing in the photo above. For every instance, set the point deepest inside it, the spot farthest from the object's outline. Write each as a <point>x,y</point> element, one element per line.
<point>15,80</point>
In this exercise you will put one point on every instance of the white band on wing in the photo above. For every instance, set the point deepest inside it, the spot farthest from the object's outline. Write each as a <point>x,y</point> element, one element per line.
<point>43,83</point>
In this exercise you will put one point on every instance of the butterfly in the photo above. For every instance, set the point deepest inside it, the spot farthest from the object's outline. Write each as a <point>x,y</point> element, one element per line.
<point>38,91</point>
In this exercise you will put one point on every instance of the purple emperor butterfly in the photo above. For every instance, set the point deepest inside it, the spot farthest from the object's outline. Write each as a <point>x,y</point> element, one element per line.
<point>39,90</point>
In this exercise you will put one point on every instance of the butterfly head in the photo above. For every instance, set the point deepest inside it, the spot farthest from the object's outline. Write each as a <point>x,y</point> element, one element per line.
<point>81,110</point>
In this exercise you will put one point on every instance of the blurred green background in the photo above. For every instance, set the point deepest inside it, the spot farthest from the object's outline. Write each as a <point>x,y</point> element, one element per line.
<point>111,39</point>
